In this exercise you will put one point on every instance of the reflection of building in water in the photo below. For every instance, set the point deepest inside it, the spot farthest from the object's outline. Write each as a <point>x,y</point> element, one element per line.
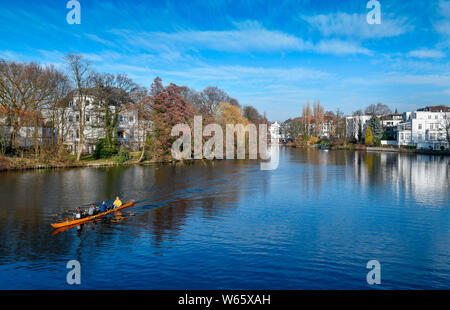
<point>424,178</point>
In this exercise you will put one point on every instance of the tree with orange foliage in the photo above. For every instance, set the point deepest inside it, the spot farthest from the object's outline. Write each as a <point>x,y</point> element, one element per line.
<point>169,108</point>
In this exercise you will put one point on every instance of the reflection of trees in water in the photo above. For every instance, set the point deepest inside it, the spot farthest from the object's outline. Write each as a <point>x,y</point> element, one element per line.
<point>208,187</point>
<point>318,168</point>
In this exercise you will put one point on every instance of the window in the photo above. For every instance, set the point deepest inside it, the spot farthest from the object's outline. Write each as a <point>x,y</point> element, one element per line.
<point>420,136</point>
<point>429,116</point>
<point>88,118</point>
<point>71,118</point>
<point>121,118</point>
<point>78,118</point>
<point>436,116</point>
<point>131,119</point>
<point>420,126</point>
<point>431,126</point>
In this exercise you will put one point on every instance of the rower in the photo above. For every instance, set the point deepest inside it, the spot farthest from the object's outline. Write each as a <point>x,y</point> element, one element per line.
<point>78,213</point>
<point>117,203</point>
<point>91,210</point>
<point>103,207</point>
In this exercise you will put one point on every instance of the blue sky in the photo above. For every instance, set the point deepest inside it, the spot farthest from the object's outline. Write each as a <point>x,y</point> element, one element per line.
<point>274,55</point>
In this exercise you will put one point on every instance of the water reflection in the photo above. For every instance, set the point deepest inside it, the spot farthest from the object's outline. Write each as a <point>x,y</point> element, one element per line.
<point>309,208</point>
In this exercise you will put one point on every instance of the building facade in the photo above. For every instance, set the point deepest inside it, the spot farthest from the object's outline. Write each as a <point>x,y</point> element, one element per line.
<point>425,128</point>
<point>127,130</point>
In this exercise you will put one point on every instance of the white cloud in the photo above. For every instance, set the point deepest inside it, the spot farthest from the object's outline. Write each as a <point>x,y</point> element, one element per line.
<point>356,26</point>
<point>444,8</point>
<point>96,38</point>
<point>249,36</point>
<point>340,47</point>
<point>240,73</point>
<point>426,53</point>
<point>442,25</point>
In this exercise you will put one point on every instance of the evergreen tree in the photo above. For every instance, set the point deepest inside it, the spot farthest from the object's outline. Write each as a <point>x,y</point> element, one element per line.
<point>376,127</point>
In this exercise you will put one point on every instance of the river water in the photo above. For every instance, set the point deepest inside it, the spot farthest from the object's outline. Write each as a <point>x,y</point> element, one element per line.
<point>313,223</point>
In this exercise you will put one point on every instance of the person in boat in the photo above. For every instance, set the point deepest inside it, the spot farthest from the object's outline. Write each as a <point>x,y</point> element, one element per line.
<point>117,203</point>
<point>78,214</point>
<point>91,210</point>
<point>103,207</point>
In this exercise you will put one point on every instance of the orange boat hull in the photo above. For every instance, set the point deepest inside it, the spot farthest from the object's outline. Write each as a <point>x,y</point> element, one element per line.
<point>91,218</point>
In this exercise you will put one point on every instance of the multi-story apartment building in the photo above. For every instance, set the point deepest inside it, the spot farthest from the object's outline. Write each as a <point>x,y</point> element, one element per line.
<point>274,130</point>
<point>389,123</point>
<point>127,130</point>
<point>355,126</point>
<point>25,136</point>
<point>425,128</point>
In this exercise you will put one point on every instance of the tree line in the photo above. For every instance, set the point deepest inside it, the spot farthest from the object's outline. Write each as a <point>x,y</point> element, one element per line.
<point>37,96</point>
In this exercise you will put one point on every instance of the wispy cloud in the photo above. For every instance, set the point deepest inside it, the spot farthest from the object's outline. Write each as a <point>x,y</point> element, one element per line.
<point>356,26</point>
<point>248,36</point>
<point>442,25</point>
<point>426,53</point>
<point>240,73</point>
<point>96,38</point>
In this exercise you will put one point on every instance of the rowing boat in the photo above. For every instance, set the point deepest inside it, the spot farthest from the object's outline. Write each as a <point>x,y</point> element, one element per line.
<point>91,218</point>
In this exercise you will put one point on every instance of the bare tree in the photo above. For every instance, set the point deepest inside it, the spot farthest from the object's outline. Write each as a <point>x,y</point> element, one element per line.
<point>111,93</point>
<point>59,107</point>
<point>212,97</point>
<point>357,125</point>
<point>141,103</point>
<point>81,76</point>
<point>447,127</point>
<point>306,120</point>
<point>252,114</point>
<point>14,92</point>
<point>318,118</point>
<point>340,123</point>
<point>377,109</point>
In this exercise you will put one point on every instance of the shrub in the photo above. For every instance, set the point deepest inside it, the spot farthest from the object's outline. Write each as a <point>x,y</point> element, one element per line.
<point>104,149</point>
<point>123,156</point>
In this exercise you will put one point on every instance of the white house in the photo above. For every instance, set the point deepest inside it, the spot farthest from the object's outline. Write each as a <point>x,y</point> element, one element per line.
<point>355,126</point>
<point>274,131</point>
<point>425,128</point>
<point>94,128</point>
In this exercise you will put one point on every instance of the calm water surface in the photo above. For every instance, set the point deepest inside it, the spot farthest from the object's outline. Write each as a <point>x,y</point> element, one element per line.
<point>313,223</point>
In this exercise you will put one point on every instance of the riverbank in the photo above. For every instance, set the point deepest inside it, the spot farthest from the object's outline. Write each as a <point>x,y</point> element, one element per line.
<point>361,147</point>
<point>19,163</point>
